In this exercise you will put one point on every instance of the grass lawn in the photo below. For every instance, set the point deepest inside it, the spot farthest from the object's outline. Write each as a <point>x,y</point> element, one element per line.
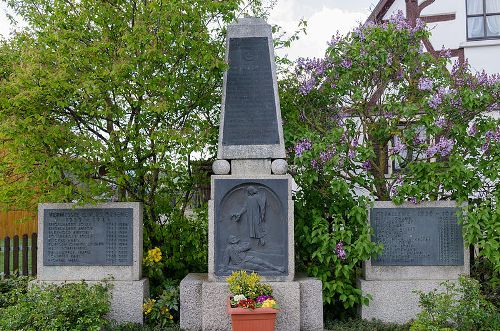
<point>2,256</point>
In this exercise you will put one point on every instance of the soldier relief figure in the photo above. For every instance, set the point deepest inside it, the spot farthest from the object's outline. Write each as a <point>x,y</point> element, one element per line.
<point>238,255</point>
<point>255,210</point>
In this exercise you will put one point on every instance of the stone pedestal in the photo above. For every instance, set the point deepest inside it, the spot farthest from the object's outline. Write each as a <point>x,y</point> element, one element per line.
<point>391,285</point>
<point>95,243</point>
<point>203,304</point>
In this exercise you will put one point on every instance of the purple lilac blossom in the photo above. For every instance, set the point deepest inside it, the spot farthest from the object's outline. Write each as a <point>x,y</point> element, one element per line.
<point>303,145</point>
<point>440,122</point>
<point>335,39</point>
<point>339,250</point>
<point>351,154</point>
<point>445,52</point>
<point>346,63</point>
<point>435,101</point>
<point>419,25</point>
<point>491,136</point>
<point>443,147</point>
<point>472,129</point>
<point>425,84</point>
<point>394,188</point>
<point>325,156</point>
<point>399,20</point>
<point>398,146</point>
<point>307,86</point>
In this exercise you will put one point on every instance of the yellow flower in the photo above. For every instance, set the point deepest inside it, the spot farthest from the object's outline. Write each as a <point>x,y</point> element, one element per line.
<point>171,317</point>
<point>148,306</point>
<point>269,303</point>
<point>154,255</point>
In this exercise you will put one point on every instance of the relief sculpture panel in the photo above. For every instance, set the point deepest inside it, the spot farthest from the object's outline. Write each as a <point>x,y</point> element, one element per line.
<point>251,226</point>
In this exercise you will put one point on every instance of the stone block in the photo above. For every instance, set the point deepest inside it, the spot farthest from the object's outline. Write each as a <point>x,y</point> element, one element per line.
<point>190,307</point>
<point>301,305</point>
<point>127,298</point>
<point>311,304</point>
<point>251,167</point>
<point>92,272</point>
<point>394,300</point>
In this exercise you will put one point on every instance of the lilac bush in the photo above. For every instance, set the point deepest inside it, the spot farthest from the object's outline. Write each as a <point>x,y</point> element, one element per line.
<point>379,119</point>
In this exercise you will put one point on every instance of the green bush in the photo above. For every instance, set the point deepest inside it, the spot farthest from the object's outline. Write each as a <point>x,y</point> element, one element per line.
<point>461,306</point>
<point>364,325</point>
<point>183,242</point>
<point>11,289</point>
<point>75,306</point>
<point>163,310</point>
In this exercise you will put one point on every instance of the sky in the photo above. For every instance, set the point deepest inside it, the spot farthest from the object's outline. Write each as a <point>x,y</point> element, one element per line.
<point>324,18</point>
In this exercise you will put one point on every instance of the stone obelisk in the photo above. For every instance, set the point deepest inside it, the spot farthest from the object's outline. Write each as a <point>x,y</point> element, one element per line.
<point>251,208</point>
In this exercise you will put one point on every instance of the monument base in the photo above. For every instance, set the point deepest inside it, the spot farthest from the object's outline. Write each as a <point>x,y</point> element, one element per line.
<point>127,297</point>
<point>203,304</point>
<point>394,300</point>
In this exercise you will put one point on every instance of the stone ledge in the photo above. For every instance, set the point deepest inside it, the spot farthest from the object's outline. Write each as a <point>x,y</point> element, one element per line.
<point>394,300</point>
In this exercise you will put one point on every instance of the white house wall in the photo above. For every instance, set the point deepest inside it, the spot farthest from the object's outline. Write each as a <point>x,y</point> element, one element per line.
<point>482,54</point>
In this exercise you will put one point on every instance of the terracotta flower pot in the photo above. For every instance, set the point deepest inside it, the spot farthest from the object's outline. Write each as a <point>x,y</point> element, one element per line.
<point>244,319</point>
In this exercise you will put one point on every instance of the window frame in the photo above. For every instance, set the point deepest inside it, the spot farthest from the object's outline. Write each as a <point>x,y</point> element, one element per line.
<point>484,15</point>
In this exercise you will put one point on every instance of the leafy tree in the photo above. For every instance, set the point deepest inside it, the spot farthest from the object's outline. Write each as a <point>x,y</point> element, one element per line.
<point>108,100</point>
<point>375,102</point>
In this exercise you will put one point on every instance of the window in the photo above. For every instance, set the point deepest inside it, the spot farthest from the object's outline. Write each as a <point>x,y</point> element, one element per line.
<point>483,19</point>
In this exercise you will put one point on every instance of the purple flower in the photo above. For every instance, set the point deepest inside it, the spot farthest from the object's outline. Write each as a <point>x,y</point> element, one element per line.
<point>398,146</point>
<point>445,52</point>
<point>262,298</point>
<point>399,20</point>
<point>367,165</point>
<point>307,86</point>
<point>472,129</point>
<point>491,136</point>
<point>335,39</point>
<point>351,154</point>
<point>440,122</point>
<point>325,156</point>
<point>314,164</point>
<point>443,147</point>
<point>419,25</point>
<point>339,250</point>
<point>413,200</point>
<point>395,185</point>
<point>346,63</point>
<point>425,84</point>
<point>303,145</point>
<point>435,101</point>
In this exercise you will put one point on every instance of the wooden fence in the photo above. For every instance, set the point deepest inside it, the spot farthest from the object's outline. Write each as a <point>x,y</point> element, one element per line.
<point>19,256</point>
<point>17,222</point>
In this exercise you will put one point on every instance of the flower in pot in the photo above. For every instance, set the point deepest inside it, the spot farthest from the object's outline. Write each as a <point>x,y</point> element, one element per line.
<point>251,304</point>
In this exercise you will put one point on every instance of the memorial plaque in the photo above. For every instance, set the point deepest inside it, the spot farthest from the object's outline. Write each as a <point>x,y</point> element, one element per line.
<point>250,107</point>
<point>85,237</point>
<point>417,236</point>
<point>251,226</point>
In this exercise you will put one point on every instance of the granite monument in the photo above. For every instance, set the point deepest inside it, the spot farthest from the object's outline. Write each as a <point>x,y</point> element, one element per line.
<point>251,206</point>
<point>422,247</point>
<point>95,243</point>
